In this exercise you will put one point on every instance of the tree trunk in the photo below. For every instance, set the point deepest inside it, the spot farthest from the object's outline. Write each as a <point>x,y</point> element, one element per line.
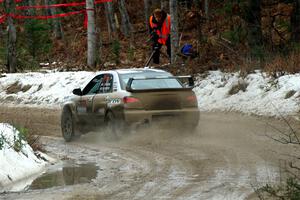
<point>199,32</point>
<point>31,11</point>
<point>126,25</point>
<point>165,5</point>
<point>295,22</point>
<point>147,13</point>
<point>253,19</point>
<point>56,23</point>
<point>91,34</point>
<point>1,33</point>
<point>174,30</point>
<point>12,38</point>
<point>206,6</point>
<point>156,3</point>
<point>111,24</point>
<point>30,28</point>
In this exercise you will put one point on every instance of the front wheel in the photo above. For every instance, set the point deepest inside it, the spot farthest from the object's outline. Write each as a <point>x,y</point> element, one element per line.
<point>67,125</point>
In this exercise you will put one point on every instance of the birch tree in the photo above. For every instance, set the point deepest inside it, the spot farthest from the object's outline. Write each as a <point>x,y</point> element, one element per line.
<point>91,34</point>
<point>111,23</point>
<point>174,30</point>
<point>126,25</point>
<point>295,21</point>
<point>12,37</point>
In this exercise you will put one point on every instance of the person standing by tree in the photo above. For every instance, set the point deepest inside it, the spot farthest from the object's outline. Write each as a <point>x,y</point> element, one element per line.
<point>160,26</point>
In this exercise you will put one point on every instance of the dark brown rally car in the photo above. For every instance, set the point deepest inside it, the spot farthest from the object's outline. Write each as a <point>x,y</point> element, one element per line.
<point>123,98</point>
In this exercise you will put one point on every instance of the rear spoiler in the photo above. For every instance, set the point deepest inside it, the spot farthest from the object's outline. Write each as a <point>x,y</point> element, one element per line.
<point>189,87</point>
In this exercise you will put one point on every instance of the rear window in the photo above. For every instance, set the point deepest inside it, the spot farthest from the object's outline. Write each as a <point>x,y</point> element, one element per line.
<point>149,83</point>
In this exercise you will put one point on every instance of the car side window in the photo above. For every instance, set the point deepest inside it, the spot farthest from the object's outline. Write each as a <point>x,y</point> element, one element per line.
<point>93,86</point>
<point>106,84</point>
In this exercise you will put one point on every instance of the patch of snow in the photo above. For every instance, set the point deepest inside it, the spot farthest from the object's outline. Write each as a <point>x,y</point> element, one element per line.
<point>263,95</point>
<point>16,166</point>
<point>47,89</point>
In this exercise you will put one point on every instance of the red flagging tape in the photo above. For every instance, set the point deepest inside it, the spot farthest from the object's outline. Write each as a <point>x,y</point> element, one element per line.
<point>73,4</point>
<point>2,18</point>
<point>48,16</point>
<point>17,1</point>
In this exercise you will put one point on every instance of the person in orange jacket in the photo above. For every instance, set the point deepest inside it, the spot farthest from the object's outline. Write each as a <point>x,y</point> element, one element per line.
<point>160,27</point>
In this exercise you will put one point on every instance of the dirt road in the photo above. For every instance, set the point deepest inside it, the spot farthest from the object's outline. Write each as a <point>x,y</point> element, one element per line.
<point>228,155</point>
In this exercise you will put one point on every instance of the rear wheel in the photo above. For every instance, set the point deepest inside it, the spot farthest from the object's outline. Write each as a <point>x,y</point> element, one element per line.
<point>67,125</point>
<point>115,126</point>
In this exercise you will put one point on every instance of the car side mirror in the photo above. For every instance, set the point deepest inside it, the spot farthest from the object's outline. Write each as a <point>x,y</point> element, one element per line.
<point>77,92</point>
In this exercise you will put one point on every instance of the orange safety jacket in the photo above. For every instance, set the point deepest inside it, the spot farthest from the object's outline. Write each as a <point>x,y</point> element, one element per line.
<point>164,32</point>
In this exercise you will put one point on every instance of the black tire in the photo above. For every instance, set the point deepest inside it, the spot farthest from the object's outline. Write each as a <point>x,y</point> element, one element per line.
<point>67,125</point>
<point>114,126</point>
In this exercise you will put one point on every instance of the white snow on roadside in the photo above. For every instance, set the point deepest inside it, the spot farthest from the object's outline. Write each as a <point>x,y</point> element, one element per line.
<point>16,166</point>
<point>46,89</point>
<point>262,96</point>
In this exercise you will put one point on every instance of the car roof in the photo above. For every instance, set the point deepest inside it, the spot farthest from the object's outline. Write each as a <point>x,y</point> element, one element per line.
<point>135,70</point>
<point>139,70</point>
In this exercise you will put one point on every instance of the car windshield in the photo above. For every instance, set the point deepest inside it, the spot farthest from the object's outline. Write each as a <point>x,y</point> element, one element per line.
<point>158,83</point>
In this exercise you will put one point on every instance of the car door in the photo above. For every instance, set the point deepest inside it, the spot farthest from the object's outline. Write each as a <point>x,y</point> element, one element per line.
<point>97,107</point>
<point>83,106</point>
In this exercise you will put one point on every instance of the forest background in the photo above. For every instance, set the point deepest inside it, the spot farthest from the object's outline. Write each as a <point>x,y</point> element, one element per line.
<point>230,35</point>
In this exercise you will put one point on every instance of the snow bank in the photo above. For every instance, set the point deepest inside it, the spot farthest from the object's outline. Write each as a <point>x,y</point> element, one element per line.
<point>262,95</point>
<point>41,89</point>
<point>16,167</point>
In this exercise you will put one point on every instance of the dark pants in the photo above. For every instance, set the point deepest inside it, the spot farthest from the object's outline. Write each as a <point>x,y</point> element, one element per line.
<point>157,46</point>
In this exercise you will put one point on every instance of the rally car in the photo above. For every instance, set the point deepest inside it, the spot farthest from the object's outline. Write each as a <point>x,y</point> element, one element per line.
<point>123,98</point>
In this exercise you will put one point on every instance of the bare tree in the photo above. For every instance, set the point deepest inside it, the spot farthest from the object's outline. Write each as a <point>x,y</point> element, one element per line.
<point>111,23</point>
<point>147,13</point>
<point>295,21</point>
<point>165,5</point>
<point>206,7</point>
<point>156,3</point>
<point>56,23</point>
<point>174,30</point>
<point>12,37</point>
<point>253,18</point>
<point>29,27</point>
<point>198,9</point>
<point>126,25</point>
<point>91,34</point>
